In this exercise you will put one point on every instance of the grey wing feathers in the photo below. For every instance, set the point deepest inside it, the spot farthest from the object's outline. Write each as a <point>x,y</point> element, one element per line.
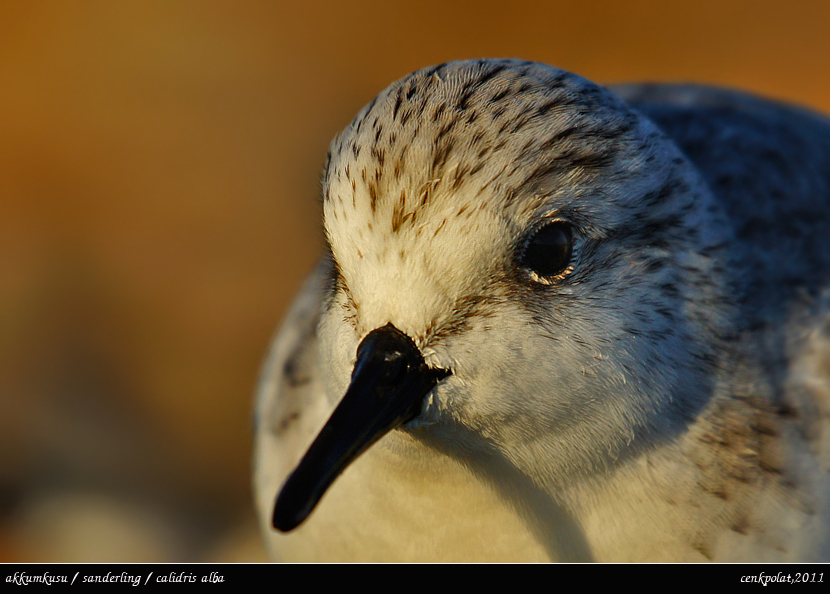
<point>291,405</point>
<point>290,370</point>
<point>770,165</point>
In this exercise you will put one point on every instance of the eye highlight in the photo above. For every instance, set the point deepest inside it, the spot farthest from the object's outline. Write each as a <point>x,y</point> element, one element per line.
<point>547,254</point>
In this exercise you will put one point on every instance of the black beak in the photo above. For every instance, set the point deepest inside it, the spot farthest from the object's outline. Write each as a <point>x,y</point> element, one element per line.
<point>389,383</point>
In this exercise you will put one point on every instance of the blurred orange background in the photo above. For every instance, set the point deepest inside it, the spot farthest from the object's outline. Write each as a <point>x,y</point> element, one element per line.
<point>159,167</point>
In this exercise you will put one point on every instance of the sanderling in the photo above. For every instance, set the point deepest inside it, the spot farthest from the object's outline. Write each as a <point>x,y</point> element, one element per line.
<point>557,322</point>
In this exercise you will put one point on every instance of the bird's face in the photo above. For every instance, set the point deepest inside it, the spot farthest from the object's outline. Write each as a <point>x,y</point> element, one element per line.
<point>549,254</point>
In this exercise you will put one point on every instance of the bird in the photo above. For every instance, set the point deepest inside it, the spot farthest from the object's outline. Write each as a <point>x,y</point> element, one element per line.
<point>556,321</point>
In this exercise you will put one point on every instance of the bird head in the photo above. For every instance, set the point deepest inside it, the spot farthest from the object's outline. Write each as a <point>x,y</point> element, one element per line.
<point>524,257</point>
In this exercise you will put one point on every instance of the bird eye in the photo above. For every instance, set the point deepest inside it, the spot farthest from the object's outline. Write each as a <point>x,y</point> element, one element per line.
<point>548,251</point>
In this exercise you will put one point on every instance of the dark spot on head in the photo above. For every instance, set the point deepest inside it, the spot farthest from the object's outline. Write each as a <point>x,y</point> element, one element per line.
<point>500,94</point>
<point>373,196</point>
<point>397,106</point>
<point>490,74</point>
<point>441,155</point>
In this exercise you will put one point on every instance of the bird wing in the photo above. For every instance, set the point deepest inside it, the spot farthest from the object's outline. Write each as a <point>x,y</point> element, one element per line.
<point>769,163</point>
<point>291,406</point>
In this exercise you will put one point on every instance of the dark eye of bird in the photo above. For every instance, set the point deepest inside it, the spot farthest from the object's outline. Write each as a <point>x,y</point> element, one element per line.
<point>548,253</point>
